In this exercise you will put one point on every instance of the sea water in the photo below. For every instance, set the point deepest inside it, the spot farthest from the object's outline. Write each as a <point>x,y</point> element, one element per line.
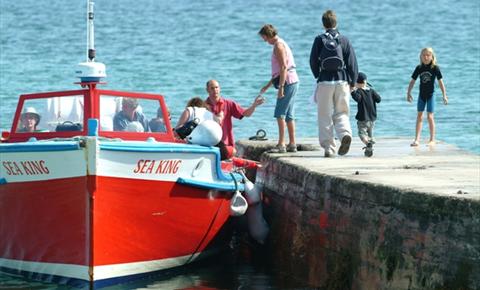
<point>174,47</point>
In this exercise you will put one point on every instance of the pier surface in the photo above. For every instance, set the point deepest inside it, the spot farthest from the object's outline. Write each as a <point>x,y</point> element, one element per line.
<point>442,169</point>
<point>406,218</point>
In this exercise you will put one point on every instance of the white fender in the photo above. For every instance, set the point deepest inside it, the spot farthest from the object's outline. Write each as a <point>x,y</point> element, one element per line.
<point>257,226</point>
<point>238,204</point>
<point>207,133</point>
<point>252,192</point>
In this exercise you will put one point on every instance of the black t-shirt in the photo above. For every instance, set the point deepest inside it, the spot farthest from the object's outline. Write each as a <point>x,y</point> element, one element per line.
<point>427,75</point>
<point>366,104</point>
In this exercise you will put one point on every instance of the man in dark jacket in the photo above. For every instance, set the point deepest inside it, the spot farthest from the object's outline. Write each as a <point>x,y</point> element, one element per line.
<point>334,65</point>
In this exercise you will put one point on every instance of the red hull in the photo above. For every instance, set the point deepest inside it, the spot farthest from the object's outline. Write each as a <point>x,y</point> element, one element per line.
<point>111,227</point>
<point>36,223</point>
<point>162,220</point>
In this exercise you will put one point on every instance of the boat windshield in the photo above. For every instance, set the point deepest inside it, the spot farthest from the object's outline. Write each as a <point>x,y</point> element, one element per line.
<point>52,114</point>
<point>64,114</point>
<point>131,114</point>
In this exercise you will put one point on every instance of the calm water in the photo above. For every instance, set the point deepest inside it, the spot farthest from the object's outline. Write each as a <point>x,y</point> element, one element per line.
<point>174,47</point>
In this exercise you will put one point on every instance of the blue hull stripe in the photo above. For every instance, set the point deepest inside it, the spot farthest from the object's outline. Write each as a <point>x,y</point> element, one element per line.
<point>39,146</point>
<point>210,185</point>
<point>156,147</point>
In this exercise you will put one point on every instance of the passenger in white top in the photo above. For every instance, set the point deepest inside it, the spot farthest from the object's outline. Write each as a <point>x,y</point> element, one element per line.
<point>196,109</point>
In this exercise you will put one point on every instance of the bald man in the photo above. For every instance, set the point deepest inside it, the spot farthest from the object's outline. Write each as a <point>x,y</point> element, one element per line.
<point>225,109</point>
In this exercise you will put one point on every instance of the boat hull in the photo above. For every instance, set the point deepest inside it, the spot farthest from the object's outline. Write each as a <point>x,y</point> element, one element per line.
<point>96,213</point>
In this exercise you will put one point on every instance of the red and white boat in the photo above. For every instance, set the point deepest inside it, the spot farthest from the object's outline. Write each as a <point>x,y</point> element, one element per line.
<point>83,204</point>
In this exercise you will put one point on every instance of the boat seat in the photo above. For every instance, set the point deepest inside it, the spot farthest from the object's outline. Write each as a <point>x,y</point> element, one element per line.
<point>68,126</point>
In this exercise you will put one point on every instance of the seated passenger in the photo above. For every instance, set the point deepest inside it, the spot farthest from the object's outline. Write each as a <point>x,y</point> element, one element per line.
<point>129,114</point>
<point>196,109</point>
<point>158,124</point>
<point>29,120</point>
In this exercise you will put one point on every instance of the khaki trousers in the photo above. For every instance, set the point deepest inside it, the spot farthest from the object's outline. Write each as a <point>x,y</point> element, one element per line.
<point>333,110</point>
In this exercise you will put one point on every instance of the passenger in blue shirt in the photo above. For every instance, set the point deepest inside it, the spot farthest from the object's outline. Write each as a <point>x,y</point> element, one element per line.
<point>158,124</point>
<point>129,119</point>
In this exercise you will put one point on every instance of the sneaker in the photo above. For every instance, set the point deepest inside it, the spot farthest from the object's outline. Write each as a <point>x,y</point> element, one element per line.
<point>345,146</point>
<point>368,150</point>
<point>329,153</point>
<point>278,149</point>
<point>292,148</point>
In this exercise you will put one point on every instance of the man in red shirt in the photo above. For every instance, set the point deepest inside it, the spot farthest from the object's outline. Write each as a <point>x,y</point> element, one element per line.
<point>224,109</point>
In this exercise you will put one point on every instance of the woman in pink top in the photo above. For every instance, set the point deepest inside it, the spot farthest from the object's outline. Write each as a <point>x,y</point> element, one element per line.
<point>285,79</point>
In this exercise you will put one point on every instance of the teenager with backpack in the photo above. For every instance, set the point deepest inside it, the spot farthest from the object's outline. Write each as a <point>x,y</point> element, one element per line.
<point>334,65</point>
<point>428,71</point>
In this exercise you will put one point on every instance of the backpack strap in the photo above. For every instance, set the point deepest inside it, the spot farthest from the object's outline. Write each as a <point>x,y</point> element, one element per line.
<point>330,35</point>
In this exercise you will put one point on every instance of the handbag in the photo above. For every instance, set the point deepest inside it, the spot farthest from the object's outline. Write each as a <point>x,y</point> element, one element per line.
<point>68,126</point>
<point>188,127</point>
<point>276,82</point>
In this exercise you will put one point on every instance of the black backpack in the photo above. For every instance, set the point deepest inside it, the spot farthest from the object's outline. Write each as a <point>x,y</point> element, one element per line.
<point>331,56</point>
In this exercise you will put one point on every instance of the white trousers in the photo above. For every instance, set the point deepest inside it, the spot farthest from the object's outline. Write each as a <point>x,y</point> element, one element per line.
<point>333,110</point>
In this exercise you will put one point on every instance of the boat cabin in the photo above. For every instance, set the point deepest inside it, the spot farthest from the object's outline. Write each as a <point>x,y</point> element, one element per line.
<point>91,111</point>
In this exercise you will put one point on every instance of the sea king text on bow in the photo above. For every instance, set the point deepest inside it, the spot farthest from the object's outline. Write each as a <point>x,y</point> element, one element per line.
<point>157,166</point>
<point>30,167</point>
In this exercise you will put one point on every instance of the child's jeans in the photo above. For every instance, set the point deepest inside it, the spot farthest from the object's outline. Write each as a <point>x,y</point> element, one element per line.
<point>365,131</point>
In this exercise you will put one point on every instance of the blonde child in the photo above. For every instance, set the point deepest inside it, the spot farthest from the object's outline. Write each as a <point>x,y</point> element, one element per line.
<point>428,70</point>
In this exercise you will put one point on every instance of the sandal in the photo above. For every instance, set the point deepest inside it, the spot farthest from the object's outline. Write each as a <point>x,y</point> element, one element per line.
<point>278,149</point>
<point>292,148</point>
<point>414,144</point>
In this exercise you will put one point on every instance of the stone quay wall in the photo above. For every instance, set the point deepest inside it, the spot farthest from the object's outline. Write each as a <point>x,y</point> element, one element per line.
<point>337,232</point>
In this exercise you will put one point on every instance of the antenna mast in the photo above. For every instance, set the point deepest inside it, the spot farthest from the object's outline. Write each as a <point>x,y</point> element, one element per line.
<point>90,71</point>
<point>90,32</point>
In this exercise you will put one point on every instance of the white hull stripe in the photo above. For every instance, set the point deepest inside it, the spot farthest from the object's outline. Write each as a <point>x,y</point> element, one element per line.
<point>54,269</point>
<point>100,272</point>
<point>127,269</point>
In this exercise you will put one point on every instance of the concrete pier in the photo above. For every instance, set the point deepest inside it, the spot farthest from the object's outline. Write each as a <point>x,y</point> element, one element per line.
<point>406,218</point>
